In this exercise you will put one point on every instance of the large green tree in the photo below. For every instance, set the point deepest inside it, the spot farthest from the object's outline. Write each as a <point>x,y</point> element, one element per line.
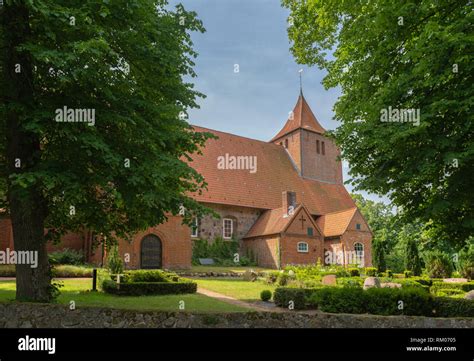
<point>122,172</point>
<point>413,54</point>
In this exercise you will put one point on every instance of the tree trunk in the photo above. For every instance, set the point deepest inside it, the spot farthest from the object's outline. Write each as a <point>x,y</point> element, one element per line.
<point>26,204</point>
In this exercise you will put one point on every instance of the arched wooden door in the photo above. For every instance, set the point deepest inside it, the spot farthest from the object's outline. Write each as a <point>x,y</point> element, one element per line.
<point>151,252</point>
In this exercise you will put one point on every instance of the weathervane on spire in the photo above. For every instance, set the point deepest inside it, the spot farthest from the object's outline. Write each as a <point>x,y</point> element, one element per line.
<point>301,82</point>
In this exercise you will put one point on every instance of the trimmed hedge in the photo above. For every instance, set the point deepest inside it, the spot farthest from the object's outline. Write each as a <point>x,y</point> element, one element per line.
<point>7,270</point>
<point>413,283</point>
<point>463,286</point>
<point>453,307</point>
<point>371,271</point>
<point>354,272</point>
<point>378,301</point>
<point>337,300</point>
<point>71,271</point>
<point>442,292</point>
<point>63,271</point>
<point>398,301</point>
<point>150,276</point>
<point>283,295</point>
<point>350,282</point>
<point>148,288</point>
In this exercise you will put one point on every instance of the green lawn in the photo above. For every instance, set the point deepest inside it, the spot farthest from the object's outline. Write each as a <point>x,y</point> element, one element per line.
<point>76,290</point>
<point>222,269</point>
<point>236,288</point>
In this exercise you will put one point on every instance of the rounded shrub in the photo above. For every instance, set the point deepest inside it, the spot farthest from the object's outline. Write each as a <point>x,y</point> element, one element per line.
<point>388,273</point>
<point>266,295</point>
<point>371,271</point>
<point>354,272</point>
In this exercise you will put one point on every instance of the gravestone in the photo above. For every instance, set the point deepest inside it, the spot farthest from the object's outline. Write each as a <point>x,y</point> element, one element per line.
<point>371,282</point>
<point>206,261</point>
<point>250,275</point>
<point>469,295</point>
<point>455,280</point>
<point>329,280</point>
<point>391,285</point>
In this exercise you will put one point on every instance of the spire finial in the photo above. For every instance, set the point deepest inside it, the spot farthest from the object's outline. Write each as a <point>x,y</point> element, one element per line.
<point>301,82</point>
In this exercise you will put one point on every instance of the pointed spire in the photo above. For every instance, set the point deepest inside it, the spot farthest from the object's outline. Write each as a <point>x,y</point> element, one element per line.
<point>301,82</point>
<point>300,118</point>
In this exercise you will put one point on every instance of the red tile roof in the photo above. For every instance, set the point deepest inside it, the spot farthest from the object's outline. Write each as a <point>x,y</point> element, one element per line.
<point>335,224</point>
<point>273,222</point>
<point>262,189</point>
<point>270,222</point>
<point>302,118</point>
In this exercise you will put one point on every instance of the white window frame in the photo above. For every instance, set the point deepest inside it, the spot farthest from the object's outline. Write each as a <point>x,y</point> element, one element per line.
<point>300,250</point>
<point>231,228</point>
<point>359,254</point>
<point>195,228</point>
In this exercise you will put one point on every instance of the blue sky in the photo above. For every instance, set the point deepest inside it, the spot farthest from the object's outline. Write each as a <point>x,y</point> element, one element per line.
<point>255,101</point>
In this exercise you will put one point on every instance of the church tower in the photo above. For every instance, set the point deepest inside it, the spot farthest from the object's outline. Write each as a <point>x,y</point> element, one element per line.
<point>314,155</point>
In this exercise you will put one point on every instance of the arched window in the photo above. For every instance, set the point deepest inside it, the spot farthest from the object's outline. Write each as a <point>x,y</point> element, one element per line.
<point>286,143</point>
<point>359,253</point>
<point>302,247</point>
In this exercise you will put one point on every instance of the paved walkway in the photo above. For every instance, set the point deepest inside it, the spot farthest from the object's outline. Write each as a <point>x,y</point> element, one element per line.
<point>268,307</point>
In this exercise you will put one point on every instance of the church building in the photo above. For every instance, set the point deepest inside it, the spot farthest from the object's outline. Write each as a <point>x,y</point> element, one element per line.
<point>283,200</point>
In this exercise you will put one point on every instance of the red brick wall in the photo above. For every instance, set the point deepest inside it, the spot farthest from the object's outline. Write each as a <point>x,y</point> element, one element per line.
<point>302,148</point>
<point>6,235</point>
<point>175,238</point>
<point>265,249</point>
<point>176,245</point>
<point>70,240</point>
<point>318,166</point>
<point>364,236</point>
<point>289,251</point>
<point>296,226</point>
<point>294,148</point>
<point>243,217</point>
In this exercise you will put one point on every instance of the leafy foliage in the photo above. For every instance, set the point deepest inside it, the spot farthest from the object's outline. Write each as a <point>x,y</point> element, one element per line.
<point>266,295</point>
<point>114,261</point>
<point>379,256</point>
<point>438,264</point>
<point>223,252</point>
<point>466,261</point>
<point>126,62</point>
<point>148,288</point>
<point>412,259</point>
<point>66,256</point>
<point>411,55</point>
<point>453,307</point>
